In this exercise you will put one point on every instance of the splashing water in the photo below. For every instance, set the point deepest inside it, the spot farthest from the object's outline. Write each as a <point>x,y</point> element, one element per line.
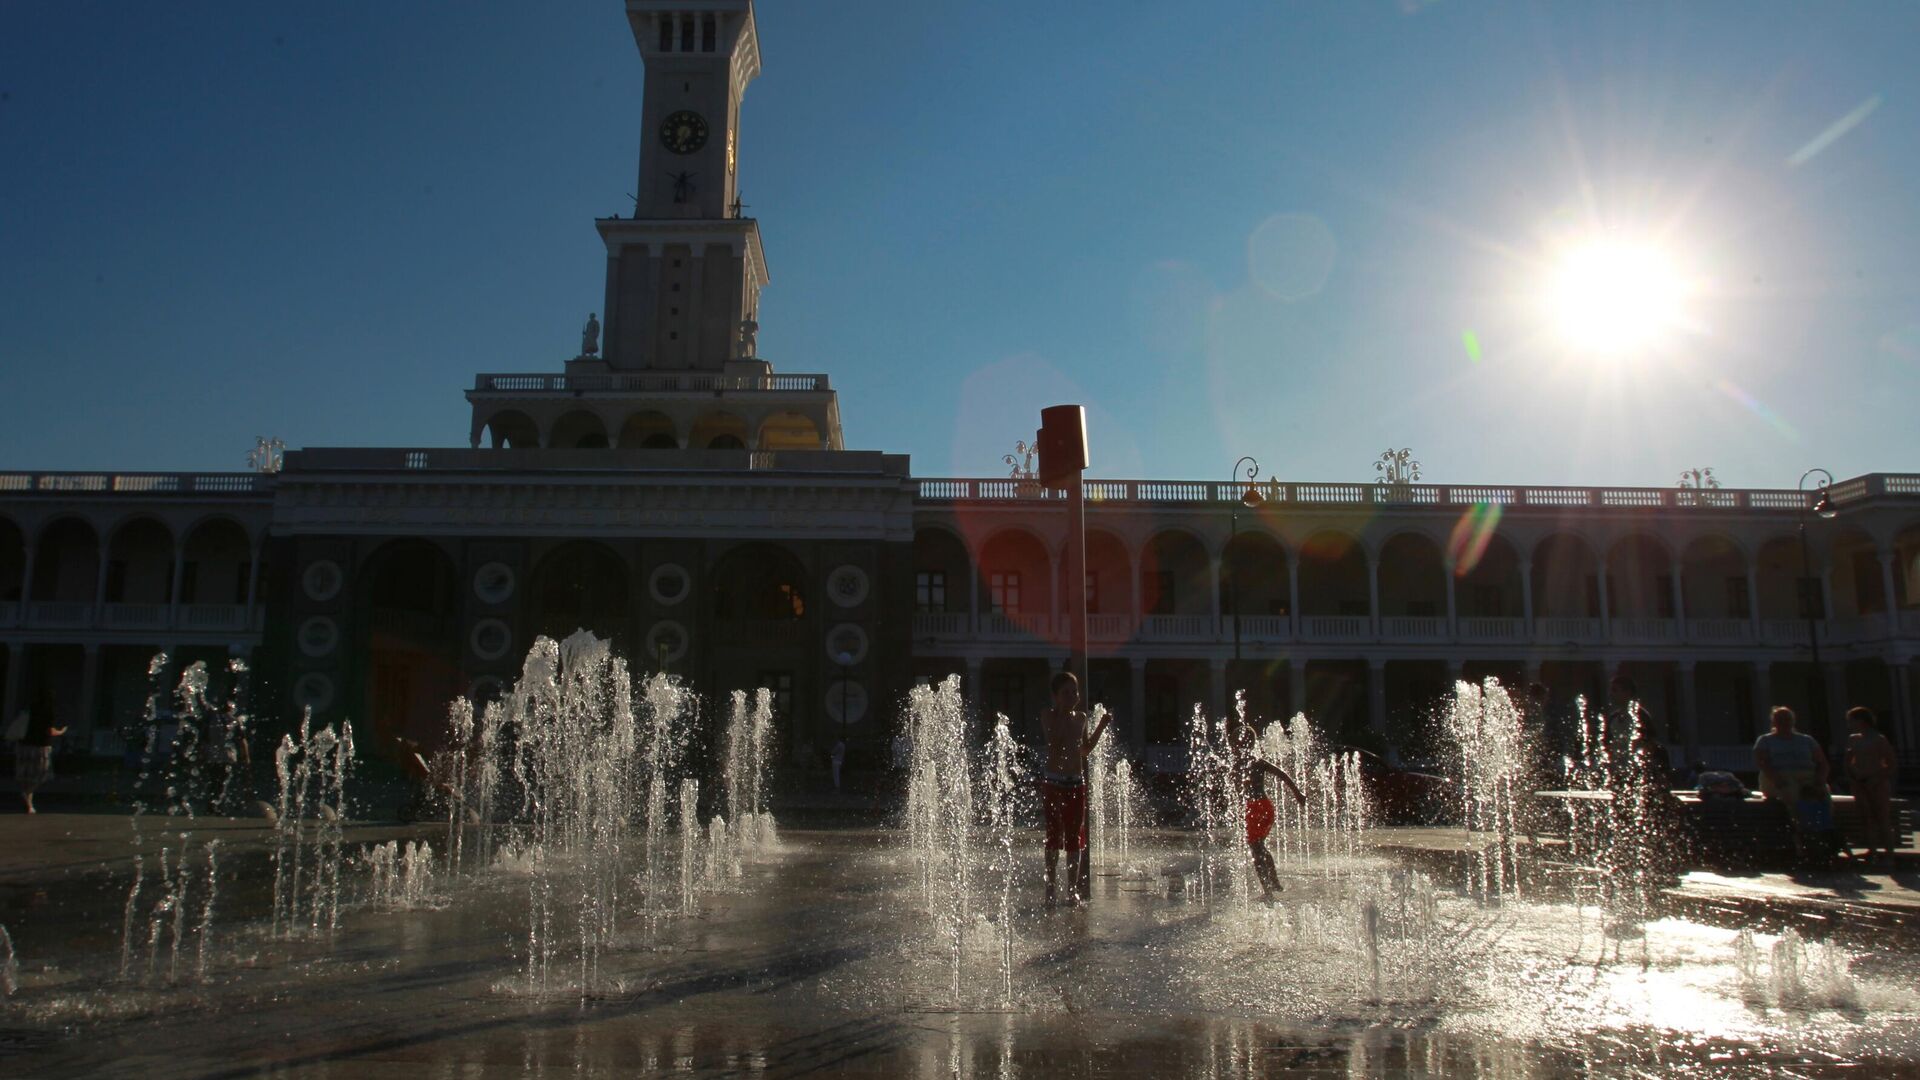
<point>1486,727</point>
<point>940,811</point>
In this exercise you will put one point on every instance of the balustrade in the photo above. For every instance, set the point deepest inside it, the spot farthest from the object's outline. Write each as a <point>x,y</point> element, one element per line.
<point>1335,627</point>
<point>1645,628</point>
<point>1178,627</point>
<point>1720,630</point>
<point>1551,628</point>
<point>1413,627</point>
<point>1493,628</point>
<point>135,616</point>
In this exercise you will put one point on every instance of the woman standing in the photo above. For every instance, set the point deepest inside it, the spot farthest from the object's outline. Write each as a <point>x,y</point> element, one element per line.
<point>33,755</point>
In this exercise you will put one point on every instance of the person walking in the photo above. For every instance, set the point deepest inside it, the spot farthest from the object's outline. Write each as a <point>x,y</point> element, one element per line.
<point>1063,781</point>
<point>1871,766</point>
<point>1250,772</point>
<point>33,754</point>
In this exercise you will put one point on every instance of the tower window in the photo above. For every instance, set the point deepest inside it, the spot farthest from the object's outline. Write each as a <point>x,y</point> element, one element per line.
<point>930,590</point>
<point>666,33</point>
<point>686,33</point>
<point>709,32</point>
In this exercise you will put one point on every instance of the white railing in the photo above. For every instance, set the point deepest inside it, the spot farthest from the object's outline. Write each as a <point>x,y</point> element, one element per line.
<point>1109,627</point>
<point>1492,628</point>
<point>1566,628</point>
<point>1859,628</point>
<point>213,617</point>
<point>9,614</point>
<point>1645,628</point>
<point>1017,624</point>
<point>137,483</point>
<point>60,614</point>
<point>1177,627</point>
<point>1728,630</point>
<point>649,383</point>
<point>1335,627</point>
<point>135,616</point>
<point>1413,627</point>
<point>1263,628</point>
<point>1786,631</point>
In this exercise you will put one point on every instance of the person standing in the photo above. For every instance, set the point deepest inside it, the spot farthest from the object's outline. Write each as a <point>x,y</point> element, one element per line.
<point>1871,766</point>
<point>838,759</point>
<point>1792,765</point>
<point>1063,780</point>
<point>1250,772</point>
<point>33,754</point>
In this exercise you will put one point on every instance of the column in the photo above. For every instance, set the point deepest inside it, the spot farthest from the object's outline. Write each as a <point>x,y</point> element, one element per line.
<point>179,579</point>
<point>1296,686</point>
<point>89,693</point>
<point>1219,586</point>
<point>1753,597</point>
<point>1906,725</point>
<point>1453,607</point>
<point>1606,608</point>
<point>1377,696</point>
<point>100,579</point>
<point>253,582</point>
<point>973,596</point>
<point>1137,719</point>
<point>26,584</point>
<point>1373,592</point>
<point>1220,701</point>
<point>1762,698</point>
<point>1892,607</point>
<point>1526,597</point>
<point>16,680</point>
<point>1679,601</point>
<point>1825,577</point>
<point>1293,597</point>
<point>696,274</point>
<point>1689,710</point>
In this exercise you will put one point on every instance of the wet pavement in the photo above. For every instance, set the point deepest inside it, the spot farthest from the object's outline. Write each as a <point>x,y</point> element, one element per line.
<point>829,957</point>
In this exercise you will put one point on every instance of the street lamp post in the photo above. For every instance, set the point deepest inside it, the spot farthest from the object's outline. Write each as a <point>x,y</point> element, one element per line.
<point>1813,594</point>
<point>1250,498</point>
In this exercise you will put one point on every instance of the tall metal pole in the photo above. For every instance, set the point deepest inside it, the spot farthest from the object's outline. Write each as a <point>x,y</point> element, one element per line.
<point>1250,499</point>
<point>1814,595</point>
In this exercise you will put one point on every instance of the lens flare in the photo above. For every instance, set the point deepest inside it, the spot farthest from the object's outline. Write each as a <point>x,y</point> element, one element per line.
<point>1471,535</point>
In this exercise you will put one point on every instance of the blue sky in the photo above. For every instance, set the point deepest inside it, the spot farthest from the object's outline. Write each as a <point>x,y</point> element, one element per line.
<point>1242,227</point>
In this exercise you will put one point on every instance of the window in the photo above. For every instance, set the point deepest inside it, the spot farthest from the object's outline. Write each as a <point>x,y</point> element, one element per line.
<point>709,33</point>
<point>1004,587</point>
<point>1739,601</point>
<point>666,34</point>
<point>1158,585</point>
<point>686,33</point>
<point>930,591</point>
<point>1006,694</point>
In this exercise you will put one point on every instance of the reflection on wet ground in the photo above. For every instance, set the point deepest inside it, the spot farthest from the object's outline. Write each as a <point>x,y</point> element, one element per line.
<point>822,959</point>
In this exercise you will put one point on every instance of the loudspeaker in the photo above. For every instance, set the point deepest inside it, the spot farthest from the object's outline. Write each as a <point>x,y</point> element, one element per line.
<point>1062,440</point>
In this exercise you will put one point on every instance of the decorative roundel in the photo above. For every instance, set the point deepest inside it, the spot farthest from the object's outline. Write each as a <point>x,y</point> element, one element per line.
<point>846,644</point>
<point>847,585</point>
<point>319,636</point>
<point>669,584</point>
<point>485,690</point>
<point>667,637</point>
<point>493,583</point>
<point>846,701</point>
<point>323,580</point>
<point>313,691</point>
<point>491,638</point>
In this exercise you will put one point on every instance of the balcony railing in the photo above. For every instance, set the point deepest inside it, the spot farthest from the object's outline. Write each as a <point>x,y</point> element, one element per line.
<point>1720,631</point>
<point>1290,493</point>
<point>1336,627</point>
<point>1644,630</point>
<point>1413,626</point>
<point>660,382</point>
<point>1493,628</point>
<point>136,483</point>
<point>136,616</point>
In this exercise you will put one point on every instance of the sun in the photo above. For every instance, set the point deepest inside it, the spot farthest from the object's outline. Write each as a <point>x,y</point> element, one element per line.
<point>1614,296</point>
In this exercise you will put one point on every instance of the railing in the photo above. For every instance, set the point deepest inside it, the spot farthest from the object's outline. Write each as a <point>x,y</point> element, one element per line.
<point>1725,630</point>
<point>1109,627</point>
<point>1564,628</point>
<point>213,617</point>
<point>1013,624</point>
<point>136,616</point>
<point>1493,628</point>
<point>657,382</point>
<point>1335,627</point>
<point>1786,631</point>
<point>1177,627</point>
<point>1397,627</point>
<point>136,483</point>
<point>1263,628</point>
<point>940,624</point>
<point>60,614</point>
<point>953,489</point>
<point>1642,628</point>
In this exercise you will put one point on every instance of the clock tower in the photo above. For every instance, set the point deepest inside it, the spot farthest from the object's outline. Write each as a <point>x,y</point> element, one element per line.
<point>685,271</point>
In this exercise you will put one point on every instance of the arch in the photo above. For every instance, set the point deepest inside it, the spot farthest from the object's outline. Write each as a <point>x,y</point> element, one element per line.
<point>1639,578</point>
<point>649,431</point>
<point>940,571</point>
<point>580,585</point>
<point>140,562</point>
<point>66,563</point>
<point>789,431</point>
<point>718,431</point>
<point>1254,575</point>
<point>1491,586</point>
<point>1779,570</point>
<point>1566,578</point>
<point>13,561</point>
<point>759,582</point>
<point>1015,574</point>
<point>1713,579</point>
<point>1110,577</point>
<point>512,429</point>
<point>406,589</point>
<point>217,563</point>
<point>578,430</point>
<point>1333,575</point>
<point>1858,588</point>
<point>1176,575</point>
<point>1413,576</point>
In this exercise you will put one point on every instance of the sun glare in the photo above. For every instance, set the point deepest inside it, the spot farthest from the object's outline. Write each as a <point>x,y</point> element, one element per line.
<point>1615,297</point>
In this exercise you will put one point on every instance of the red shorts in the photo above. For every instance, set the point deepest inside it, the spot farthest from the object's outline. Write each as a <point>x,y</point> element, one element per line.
<point>1065,808</point>
<point>1259,819</point>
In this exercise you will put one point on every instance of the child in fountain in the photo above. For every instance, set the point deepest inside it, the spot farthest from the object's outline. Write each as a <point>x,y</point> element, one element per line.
<point>1250,771</point>
<point>1063,781</point>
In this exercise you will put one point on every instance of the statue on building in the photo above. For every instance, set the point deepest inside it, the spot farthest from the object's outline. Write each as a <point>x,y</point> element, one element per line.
<point>749,331</point>
<point>590,336</point>
<point>683,188</point>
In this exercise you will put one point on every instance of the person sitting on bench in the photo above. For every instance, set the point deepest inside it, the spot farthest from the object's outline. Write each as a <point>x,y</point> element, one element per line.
<point>1792,765</point>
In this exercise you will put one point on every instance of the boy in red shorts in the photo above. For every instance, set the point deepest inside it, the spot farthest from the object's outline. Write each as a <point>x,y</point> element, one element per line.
<point>1249,772</point>
<point>1063,780</point>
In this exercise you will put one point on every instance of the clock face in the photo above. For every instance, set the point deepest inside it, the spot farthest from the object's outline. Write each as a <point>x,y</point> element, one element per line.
<point>683,132</point>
